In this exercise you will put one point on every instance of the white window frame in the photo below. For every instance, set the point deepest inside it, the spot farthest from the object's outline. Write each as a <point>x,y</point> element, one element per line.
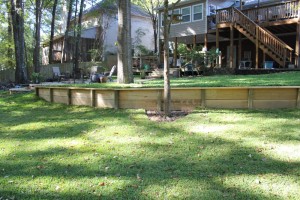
<point>194,20</point>
<point>177,9</point>
<point>189,7</point>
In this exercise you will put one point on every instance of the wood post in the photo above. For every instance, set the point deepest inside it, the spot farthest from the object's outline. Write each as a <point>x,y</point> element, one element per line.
<point>205,41</point>
<point>116,99</point>
<point>256,49</point>
<point>231,47</point>
<point>298,99</point>
<point>51,94</point>
<point>175,53</point>
<point>159,103</point>
<point>69,97</point>
<point>93,103</point>
<point>250,98</point>
<point>194,41</point>
<point>240,48</point>
<point>37,92</point>
<point>297,46</point>
<point>203,98</point>
<point>217,44</point>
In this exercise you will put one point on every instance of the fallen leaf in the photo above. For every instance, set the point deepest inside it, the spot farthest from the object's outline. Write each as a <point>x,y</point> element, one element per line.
<point>102,184</point>
<point>40,167</point>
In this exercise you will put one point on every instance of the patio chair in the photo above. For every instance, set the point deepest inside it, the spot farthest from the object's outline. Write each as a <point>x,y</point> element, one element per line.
<point>188,69</point>
<point>109,76</point>
<point>57,74</point>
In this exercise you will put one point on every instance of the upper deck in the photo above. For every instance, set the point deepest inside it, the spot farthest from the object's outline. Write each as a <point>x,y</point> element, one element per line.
<point>277,14</point>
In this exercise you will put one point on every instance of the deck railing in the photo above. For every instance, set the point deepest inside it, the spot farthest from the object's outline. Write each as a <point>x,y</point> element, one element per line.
<point>280,11</point>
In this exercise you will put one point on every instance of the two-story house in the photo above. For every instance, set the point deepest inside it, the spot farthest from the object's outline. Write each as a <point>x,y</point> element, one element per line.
<point>100,30</point>
<point>249,33</point>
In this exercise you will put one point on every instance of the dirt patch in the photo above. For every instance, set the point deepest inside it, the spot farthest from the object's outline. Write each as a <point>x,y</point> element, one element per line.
<point>159,117</point>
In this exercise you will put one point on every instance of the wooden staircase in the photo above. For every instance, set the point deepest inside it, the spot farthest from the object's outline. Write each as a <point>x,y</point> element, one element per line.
<point>269,43</point>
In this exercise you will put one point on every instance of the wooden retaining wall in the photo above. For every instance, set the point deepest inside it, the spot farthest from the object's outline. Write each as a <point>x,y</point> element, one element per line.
<point>7,75</point>
<point>182,98</point>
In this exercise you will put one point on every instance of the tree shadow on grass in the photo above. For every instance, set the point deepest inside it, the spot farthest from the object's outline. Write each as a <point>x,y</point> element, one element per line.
<point>167,162</point>
<point>191,176</point>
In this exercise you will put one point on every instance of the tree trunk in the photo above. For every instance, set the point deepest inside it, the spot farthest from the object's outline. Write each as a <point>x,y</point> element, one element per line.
<point>124,43</point>
<point>129,42</point>
<point>10,40</point>
<point>52,32</point>
<point>155,36</point>
<point>66,43</point>
<point>17,13</point>
<point>167,93</point>
<point>37,35</point>
<point>166,33</point>
<point>78,40</point>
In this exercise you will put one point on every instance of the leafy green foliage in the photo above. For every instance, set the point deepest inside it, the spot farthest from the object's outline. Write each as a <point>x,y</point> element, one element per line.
<point>53,151</point>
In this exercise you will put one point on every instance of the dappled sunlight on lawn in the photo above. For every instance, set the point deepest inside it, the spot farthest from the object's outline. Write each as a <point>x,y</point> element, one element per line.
<point>286,152</point>
<point>70,152</point>
<point>266,183</point>
<point>219,129</point>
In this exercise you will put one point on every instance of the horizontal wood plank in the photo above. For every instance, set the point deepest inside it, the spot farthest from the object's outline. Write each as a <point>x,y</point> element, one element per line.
<point>275,94</point>
<point>273,104</point>
<point>229,94</point>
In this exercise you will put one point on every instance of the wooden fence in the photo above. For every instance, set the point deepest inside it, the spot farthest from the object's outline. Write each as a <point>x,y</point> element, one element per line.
<point>7,75</point>
<point>182,98</point>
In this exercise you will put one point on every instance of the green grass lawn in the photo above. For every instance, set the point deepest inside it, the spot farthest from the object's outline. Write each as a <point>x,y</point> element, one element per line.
<point>276,79</point>
<point>53,151</point>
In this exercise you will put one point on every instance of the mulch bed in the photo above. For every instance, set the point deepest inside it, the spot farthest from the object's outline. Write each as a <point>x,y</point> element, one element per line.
<point>159,116</point>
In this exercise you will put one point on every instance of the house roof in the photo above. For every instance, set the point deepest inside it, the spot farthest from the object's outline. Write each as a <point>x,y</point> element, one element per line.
<point>107,5</point>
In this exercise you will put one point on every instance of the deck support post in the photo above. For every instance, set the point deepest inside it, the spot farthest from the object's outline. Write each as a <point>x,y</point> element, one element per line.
<point>231,47</point>
<point>175,53</point>
<point>256,49</point>
<point>205,41</point>
<point>217,45</point>
<point>297,46</point>
<point>240,49</point>
<point>194,41</point>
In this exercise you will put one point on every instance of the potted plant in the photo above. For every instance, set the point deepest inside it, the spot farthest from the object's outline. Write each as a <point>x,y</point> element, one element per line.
<point>36,77</point>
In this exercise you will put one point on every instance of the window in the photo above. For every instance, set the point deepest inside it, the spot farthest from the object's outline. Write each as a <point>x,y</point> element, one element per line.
<point>198,12</point>
<point>186,14</point>
<point>162,19</point>
<point>176,18</point>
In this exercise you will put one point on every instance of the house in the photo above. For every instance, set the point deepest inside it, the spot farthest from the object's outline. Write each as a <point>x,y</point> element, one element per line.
<point>249,34</point>
<point>99,34</point>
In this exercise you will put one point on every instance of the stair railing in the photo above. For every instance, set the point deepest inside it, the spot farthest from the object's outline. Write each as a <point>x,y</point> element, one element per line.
<point>275,44</point>
<point>271,41</point>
